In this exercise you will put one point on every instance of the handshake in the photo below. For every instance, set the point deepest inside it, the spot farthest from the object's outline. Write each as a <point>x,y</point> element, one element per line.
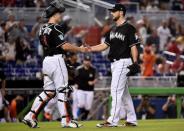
<point>85,49</point>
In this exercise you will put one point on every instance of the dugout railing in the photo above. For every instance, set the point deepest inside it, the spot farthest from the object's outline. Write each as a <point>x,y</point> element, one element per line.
<point>163,86</point>
<point>152,86</point>
<point>151,91</point>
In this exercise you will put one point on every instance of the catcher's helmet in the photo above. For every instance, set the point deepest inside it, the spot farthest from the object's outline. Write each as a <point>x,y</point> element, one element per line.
<point>54,7</point>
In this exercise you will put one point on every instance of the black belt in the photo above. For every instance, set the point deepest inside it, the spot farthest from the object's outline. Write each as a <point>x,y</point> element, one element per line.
<point>54,54</point>
<point>116,59</point>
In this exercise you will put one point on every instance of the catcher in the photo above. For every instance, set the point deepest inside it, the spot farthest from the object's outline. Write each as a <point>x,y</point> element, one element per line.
<point>51,36</point>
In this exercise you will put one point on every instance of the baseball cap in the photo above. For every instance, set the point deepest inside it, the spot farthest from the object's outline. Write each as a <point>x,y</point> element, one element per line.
<point>118,7</point>
<point>87,58</point>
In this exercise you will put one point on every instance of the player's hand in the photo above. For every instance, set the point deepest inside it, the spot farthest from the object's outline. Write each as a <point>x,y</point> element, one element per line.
<point>88,49</point>
<point>169,99</point>
<point>133,69</point>
<point>83,49</point>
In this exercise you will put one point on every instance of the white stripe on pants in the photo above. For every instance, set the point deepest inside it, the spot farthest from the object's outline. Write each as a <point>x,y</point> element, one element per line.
<point>119,92</point>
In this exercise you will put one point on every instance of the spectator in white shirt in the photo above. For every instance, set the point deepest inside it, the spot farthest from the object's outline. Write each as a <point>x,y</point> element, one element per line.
<point>163,33</point>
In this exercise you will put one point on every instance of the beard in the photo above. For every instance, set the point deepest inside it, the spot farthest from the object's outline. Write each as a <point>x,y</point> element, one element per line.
<point>116,18</point>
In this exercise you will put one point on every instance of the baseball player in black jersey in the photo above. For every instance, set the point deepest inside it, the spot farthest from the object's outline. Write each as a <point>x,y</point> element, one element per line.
<point>123,54</point>
<point>54,69</point>
<point>86,77</point>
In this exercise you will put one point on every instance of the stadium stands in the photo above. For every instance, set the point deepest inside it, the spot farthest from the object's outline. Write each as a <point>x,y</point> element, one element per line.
<point>88,18</point>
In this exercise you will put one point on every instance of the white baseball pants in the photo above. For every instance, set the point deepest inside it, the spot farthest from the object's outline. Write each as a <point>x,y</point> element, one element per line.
<point>85,99</point>
<point>120,93</point>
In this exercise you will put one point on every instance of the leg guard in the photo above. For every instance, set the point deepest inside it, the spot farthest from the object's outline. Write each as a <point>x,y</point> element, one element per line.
<point>64,107</point>
<point>40,102</point>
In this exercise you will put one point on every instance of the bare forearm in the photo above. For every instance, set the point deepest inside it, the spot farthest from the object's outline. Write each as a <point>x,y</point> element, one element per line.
<point>134,53</point>
<point>139,108</point>
<point>151,110</point>
<point>165,106</point>
<point>71,47</point>
<point>99,47</point>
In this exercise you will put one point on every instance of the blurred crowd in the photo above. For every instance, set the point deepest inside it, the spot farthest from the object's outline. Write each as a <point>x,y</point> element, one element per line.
<point>24,3</point>
<point>17,44</point>
<point>148,5</point>
<point>161,49</point>
<point>159,45</point>
<point>156,5</point>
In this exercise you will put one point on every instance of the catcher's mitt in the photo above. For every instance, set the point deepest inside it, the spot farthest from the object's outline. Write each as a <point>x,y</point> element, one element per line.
<point>133,69</point>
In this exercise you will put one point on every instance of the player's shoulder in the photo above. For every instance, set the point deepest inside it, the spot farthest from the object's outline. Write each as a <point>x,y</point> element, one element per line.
<point>130,26</point>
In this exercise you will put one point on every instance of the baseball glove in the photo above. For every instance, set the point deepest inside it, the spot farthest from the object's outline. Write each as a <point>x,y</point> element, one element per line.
<point>133,69</point>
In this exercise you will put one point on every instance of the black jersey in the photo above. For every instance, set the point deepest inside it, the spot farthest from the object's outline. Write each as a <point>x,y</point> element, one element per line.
<point>83,76</point>
<point>52,37</point>
<point>120,40</point>
<point>71,72</point>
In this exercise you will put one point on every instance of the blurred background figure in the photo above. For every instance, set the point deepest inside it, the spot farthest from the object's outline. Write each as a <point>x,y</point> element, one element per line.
<point>169,108</point>
<point>106,27</point>
<point>50,110</point>
<point>164,34</point>
<point>145,110</point>
<point>66,23</point>
<point>36,46</point>
<point>142,31</point>
<point>72,65</point>
<point>105,30</point>
<point>86,78</point>
<point>153,40</point>
<point>148,61</point>
<point>16,106</point>
<point>4,104</point>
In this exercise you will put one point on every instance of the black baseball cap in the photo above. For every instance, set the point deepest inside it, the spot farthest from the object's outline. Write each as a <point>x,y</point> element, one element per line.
<point>118,7</point>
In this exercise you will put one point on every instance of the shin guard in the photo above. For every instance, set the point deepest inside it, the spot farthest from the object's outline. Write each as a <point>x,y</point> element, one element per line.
<point>41,101</point>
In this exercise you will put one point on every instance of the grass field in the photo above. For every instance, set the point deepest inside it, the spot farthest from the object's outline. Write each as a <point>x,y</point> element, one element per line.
<point>144,125</point>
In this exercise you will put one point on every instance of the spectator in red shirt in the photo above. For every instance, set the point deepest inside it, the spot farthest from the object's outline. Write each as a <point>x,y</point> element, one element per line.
<point>177,65</point>
<point>173,47</point>
<point>9,3</point>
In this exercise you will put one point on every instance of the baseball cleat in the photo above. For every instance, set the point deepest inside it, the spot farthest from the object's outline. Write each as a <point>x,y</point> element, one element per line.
<point>30,122</point>
<point>72,124</point>
<point>105,124</point>
<point>129,124</point>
